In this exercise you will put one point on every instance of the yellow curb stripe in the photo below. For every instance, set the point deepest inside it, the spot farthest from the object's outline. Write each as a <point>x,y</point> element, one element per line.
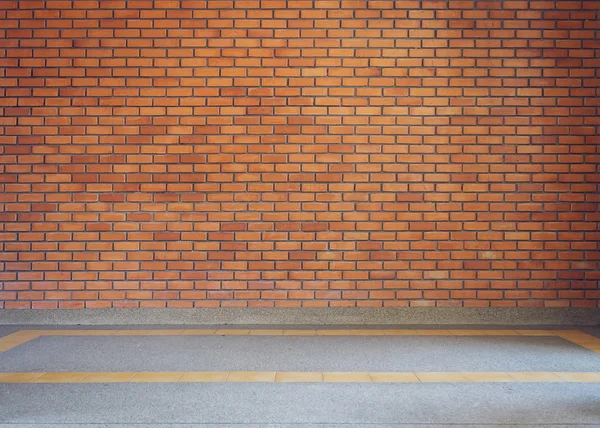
<point>251,377</point>
<point>488,377</point>
<point>299,377</point>
<point>485,332</point>
<point>396,332</point>
<point>165,332</point>
<point>266,332</point>
<point>61,377</point>
<point>22,377</point>
<point>284,377</point>
<point>349,377</point>
<point>198,377</point>
<point>535,377</point>
<point>232,332</point>
<point>434,333</point>
<point>394,377</point>
<point>299,332</point>
<point>334,333</point>
<point>16,339</point>
<point>108,377</point>
<point>577,337</point>
<point>441,377</point>
<point>167,377</point>
<point>367,333</point>
<point>578,377</point>
<point>198,332</point>
<point>536,332</point>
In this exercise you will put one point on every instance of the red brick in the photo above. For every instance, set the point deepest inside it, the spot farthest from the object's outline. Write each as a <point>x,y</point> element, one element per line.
<point>270,154</point>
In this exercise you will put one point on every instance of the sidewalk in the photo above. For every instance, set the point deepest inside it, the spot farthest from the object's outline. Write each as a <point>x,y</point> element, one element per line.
<point>299,376</point>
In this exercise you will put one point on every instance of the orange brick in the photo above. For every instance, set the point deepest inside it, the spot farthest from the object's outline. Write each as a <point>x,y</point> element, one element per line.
<point>270,154</point>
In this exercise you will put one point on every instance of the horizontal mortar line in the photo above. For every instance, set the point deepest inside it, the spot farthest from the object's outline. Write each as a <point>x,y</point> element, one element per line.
<point>299,377</point>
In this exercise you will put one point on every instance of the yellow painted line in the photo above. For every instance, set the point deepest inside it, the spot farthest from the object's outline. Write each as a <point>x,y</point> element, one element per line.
<point>485,332</point>
<point>16,339</point>
<point>580,338</point>
<point>102,332</point>
<point>204,377</point>
<point>108,377</point>
<point>156,377</point>
<point>125,333</point>
<point>80,332</point>
<point>393,377</point>
<point>577,337</point>
<point>441,377</point>
<point>536,333</point>
<point>299,332</point>
<point>303,377</point>
<point>434,333</point>
<point>578,377</point>
<point>299,377</point>
<point>232,332</point>
<point>349,377</point>
<point>334,333</point>
<point>266,332</point>
<point>61,377</point>
<point>488,377</point>
<point>400,332</point>
<point>165,332</point>
<point>251,377</point>
<point>23,377</point>
<point>535,377</point>
<point>198,332</point>
<point>367,332</point>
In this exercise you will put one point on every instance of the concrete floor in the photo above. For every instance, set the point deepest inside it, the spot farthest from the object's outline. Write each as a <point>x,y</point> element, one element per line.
<point>295,405</point>
<point>291,354</point>
<point>303,405</point>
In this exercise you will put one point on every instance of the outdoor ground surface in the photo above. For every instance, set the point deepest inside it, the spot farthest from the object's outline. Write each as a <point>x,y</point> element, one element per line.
<point>297,377</point>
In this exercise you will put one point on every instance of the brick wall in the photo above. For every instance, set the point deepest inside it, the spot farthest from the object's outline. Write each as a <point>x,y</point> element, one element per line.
<point>301,153</point>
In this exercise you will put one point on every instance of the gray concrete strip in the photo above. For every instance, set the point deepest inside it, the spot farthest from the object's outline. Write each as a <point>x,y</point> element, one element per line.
<point>302,404</point>
<point>297,353</point>
<point>16,327</point>
<point>202,425</point>
<point>316,316</point>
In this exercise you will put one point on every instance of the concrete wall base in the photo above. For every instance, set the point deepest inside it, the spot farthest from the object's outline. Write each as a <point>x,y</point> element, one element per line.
<point>306,316</point>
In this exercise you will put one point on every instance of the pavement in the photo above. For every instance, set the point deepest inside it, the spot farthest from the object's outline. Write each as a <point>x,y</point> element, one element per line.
<point>528,394</point>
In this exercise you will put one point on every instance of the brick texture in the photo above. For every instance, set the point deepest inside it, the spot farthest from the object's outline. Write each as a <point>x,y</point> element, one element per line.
<point>299,154</point>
